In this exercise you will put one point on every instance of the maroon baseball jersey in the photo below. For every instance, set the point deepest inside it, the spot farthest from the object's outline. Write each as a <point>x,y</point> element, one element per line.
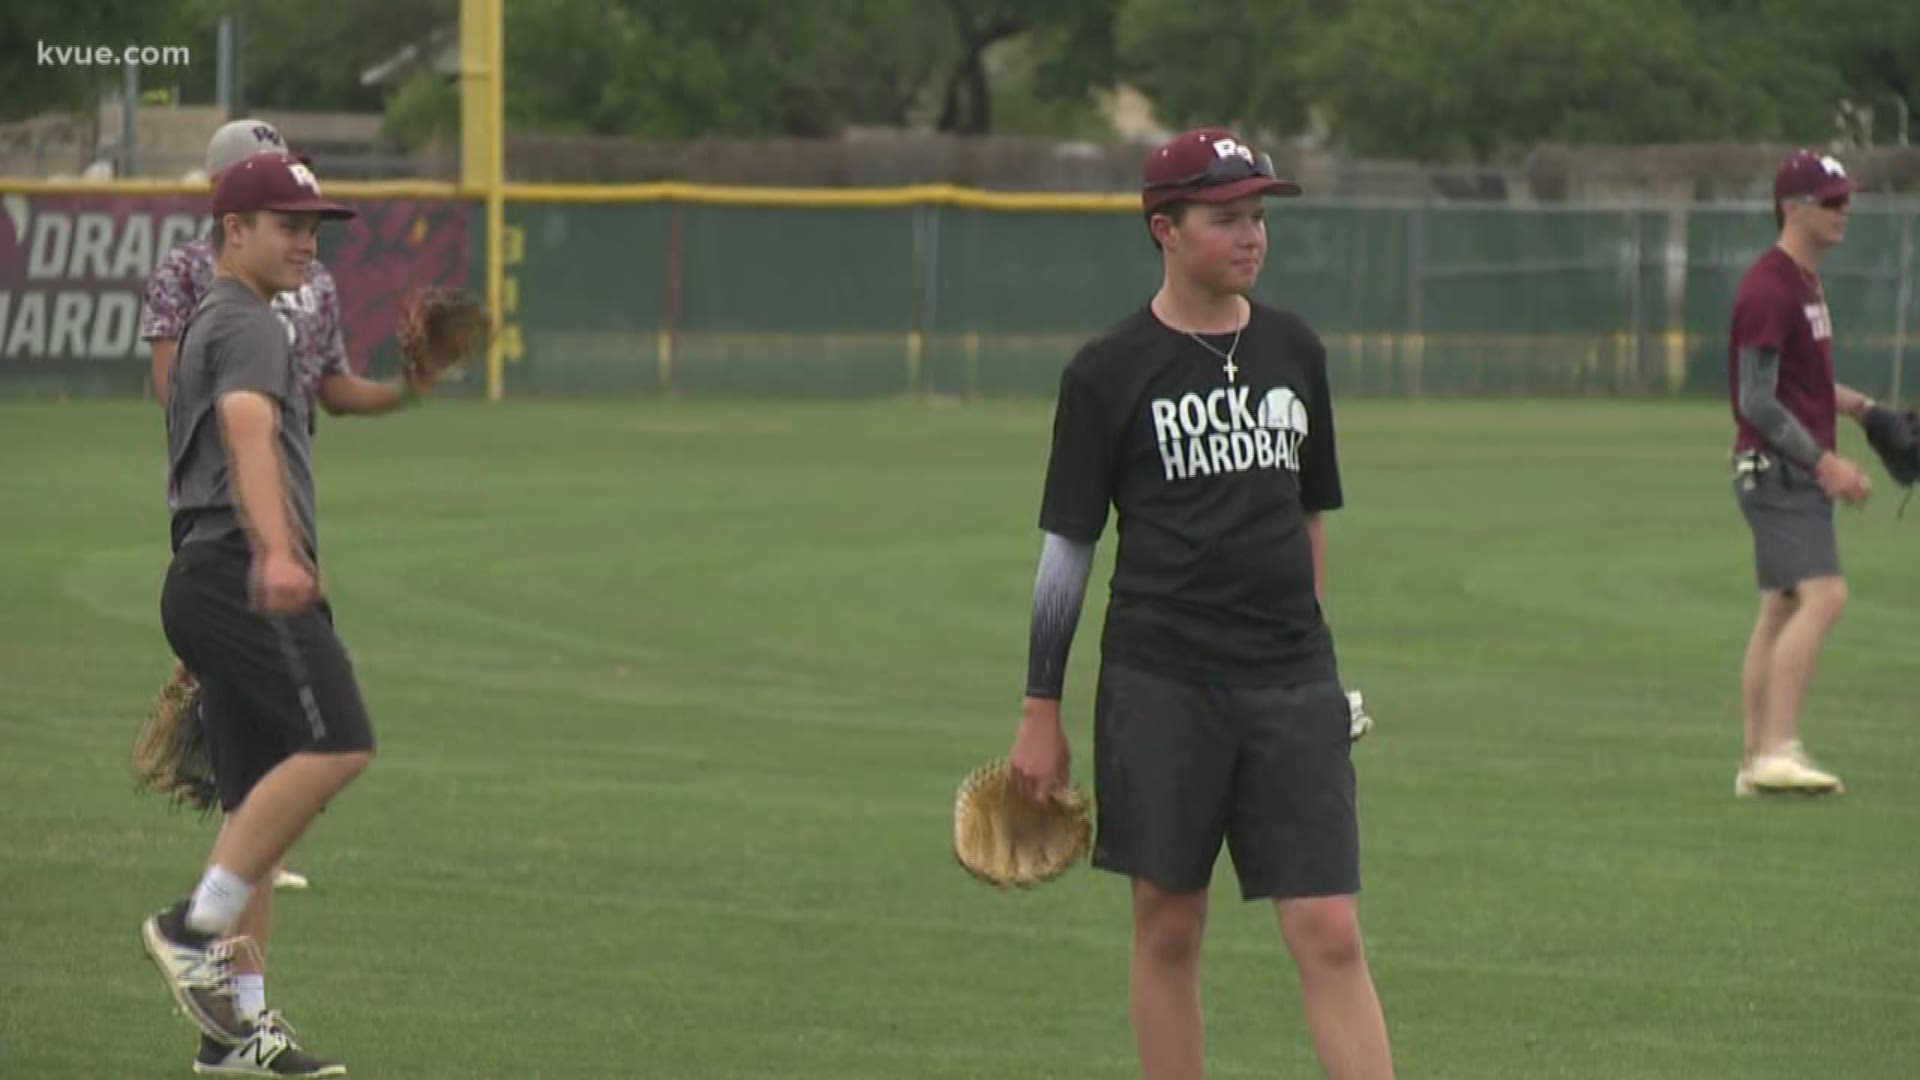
<point>1780,306</point>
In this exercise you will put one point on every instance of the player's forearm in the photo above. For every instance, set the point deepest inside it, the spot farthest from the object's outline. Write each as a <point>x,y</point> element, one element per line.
<point>1760,405</point>
<point>1851,402</point>
<point>162,370</point>
<point>1059,591</point>
<point>1317,539</point>
<point>351,395</point>
<point>248,425</point>
<point>263,499</point>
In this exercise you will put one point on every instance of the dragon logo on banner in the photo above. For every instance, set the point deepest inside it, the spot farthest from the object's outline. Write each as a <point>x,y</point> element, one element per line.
<point>391,248</point>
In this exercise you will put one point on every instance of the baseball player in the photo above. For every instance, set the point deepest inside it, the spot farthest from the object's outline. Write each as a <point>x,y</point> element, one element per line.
<point>310,310</point>
<point>311,314</point>
<point>1205,421</point>
<point>1787,474</point>
<point>243,609</point>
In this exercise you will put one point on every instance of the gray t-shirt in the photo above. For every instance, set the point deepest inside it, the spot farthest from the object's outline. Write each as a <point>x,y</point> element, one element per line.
<point>232,342</point>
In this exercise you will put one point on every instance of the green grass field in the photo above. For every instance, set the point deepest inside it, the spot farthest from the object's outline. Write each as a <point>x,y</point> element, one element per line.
<point>673,699</point>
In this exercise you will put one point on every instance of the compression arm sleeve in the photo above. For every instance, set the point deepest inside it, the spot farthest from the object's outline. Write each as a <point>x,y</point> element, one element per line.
<point>1059,589</point>
<point>1760,404</point>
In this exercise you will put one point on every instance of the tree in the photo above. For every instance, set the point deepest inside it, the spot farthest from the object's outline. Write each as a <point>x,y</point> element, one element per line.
<point>310,56</point>
<point>1030,97</point>
<point>30,88</point>
<point>1472,79</point>
<point>1080,31</point>
<point>1237,63</point>
<point>683,68</point>
<point>1469,78</point>
<point>851,62</point>
<point>424,106</point>
<point>1876,47</point>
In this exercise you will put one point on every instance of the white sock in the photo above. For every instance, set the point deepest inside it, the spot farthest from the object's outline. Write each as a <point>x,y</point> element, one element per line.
<point>218,902</point>
<point>250,994</point>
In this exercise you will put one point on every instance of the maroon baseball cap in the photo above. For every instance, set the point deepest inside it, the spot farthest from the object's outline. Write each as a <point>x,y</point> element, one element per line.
<point>1208,165</point>
<point>1807,175</point>
<point>272,181</point>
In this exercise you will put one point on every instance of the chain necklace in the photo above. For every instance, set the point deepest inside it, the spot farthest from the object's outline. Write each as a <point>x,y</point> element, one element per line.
<point>1230,367</point>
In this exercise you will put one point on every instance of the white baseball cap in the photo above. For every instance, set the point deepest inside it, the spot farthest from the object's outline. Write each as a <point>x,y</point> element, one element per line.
<point>241,139</point>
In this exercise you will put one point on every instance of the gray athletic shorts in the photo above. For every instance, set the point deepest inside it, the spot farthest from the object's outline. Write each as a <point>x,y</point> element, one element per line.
<point>1792,524</point>
<point>1181,767</point>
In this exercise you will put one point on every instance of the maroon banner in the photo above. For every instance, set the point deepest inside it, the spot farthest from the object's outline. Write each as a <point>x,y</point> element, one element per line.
<point>393,246</point>
<point>73,269</point>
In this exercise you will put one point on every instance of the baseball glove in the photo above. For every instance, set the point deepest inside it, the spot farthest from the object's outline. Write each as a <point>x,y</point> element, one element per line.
<point>170,752</point>
<point>1007,840</point>
<point>1895,436</point>
<point>441,330</point>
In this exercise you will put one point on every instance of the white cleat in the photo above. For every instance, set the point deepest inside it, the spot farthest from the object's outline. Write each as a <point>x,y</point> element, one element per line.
<point>288,879</point>
<point>1790,771</point>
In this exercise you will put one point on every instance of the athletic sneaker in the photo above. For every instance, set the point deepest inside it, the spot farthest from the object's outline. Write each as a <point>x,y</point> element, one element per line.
<point>290,879</point>
<point>269,1050</point>
<point>199,972</point>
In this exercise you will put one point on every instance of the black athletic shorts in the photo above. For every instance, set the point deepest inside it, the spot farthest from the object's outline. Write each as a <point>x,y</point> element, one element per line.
<point>271,686</point>
<point>1179,767</point>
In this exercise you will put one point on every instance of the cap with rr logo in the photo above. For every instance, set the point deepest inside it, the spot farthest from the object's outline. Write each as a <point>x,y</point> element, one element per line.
<point>273,181</point>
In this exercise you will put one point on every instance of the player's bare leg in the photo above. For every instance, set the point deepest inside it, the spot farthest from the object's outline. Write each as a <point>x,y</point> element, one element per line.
<point>1795,656</point>
<point>285,877</point>
<point>1343,1010</point>
<point>279,809</point>
<point>269,1046</point>
<point>1164,982</point>
<point>256,925</point>
<point>1779,764</point>
<point>1775,609</point>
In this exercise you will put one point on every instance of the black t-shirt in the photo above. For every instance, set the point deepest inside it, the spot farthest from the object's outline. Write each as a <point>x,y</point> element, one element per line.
<point>1212,473</point>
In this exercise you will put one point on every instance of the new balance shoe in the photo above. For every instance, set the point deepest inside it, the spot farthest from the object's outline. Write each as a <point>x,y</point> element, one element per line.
<point>198,969</point>
<point>269,1050</point>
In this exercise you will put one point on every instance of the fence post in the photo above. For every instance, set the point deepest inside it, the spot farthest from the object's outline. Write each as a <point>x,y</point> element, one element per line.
<point>926,292</point>
<point>1416,262</point>
<point>1903,299</point>
<point>670,320</point>
<point>1678,254</point>
<point>1636,311</point>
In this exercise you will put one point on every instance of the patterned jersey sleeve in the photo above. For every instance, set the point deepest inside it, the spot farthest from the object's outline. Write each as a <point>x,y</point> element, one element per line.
<point>170,296</point>
<point>330,334</point>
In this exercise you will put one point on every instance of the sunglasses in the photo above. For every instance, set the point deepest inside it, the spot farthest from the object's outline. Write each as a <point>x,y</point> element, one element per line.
<point>1838,202</point>
<point>1224,170</point>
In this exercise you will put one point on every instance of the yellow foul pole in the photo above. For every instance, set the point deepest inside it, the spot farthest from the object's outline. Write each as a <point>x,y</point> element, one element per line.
<point>497,195</point>
<point>483,150</point>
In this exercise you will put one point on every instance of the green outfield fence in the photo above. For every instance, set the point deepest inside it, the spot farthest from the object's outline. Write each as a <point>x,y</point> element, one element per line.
<point>939,291</point>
